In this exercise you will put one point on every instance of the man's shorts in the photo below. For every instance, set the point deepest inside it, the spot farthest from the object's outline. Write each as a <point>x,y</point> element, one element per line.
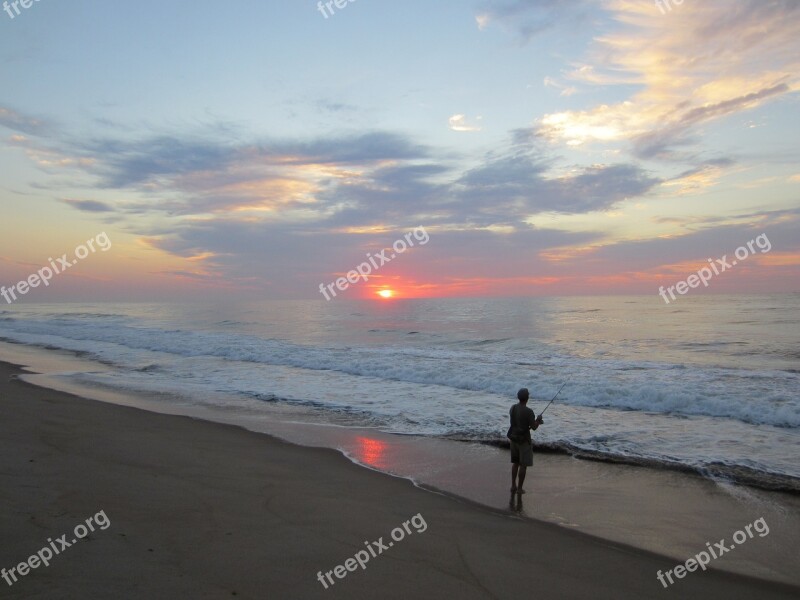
<point>522,454</point>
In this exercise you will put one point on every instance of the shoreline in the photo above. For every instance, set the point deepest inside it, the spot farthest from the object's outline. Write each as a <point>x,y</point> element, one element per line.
<point>627,502</point>
<point>740,476</point>
<point>202,508</point>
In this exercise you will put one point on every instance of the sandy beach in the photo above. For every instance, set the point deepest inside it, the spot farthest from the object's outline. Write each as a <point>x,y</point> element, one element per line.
<point>206,510</point>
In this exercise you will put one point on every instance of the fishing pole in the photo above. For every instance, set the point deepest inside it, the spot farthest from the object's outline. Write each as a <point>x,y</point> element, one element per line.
<point>554,397</point>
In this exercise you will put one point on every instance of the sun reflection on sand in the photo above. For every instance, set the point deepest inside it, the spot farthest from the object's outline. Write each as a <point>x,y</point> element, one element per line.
<point>371,452</point>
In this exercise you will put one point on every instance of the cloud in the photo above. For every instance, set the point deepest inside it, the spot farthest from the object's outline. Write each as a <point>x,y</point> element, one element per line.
<point>459,123</point>
<point>702,176</point>
<point>395,195</point>
<point>124,163</point>
<point>348,182</point>
<point>566,90</point>
<point>673,132</point>
<point>477,261</point>
<point>154,160</point>
<point>690,67</point>
<point>528,18</point>
<point>16,121</point>
<point>335,107</point>
<point>226,205</point>
<point>453,260</point>
<point>641,265</point>
<point>208,173</point>
<point>89,205</point>
<point>522,184</point>
<point>782,229</point>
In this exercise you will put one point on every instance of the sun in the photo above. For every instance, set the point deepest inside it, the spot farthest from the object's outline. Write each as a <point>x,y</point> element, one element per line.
<point>386,293</point>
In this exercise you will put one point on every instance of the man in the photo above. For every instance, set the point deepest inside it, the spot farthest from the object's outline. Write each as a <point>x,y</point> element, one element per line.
<point>522,421</point>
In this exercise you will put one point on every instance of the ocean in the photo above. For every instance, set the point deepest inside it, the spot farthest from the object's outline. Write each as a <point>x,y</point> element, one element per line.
<point>710,384</point>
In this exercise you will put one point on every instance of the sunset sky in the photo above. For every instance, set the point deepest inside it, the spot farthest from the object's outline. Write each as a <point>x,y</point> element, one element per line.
<point>258,148</point>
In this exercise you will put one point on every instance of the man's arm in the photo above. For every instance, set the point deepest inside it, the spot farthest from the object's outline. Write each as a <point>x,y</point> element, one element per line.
<point>536,422</point>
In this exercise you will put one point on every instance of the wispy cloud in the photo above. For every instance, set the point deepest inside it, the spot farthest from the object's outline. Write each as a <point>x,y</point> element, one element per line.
<point>528,18</point>
<point>372,179</point>
<point>705,62</point>
<point>566,90</point>
<point>460,123</point>
<point>16,121</point>
<point>89,205</point>
<point>702,176</point>
<point>523,184</point>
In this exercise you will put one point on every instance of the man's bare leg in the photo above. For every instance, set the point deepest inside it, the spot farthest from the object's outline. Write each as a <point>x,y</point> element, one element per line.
<point>514,469</point>
<point>522,470</point>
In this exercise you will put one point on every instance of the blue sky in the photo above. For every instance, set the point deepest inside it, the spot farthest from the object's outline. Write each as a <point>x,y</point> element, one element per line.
<point>259,148</point>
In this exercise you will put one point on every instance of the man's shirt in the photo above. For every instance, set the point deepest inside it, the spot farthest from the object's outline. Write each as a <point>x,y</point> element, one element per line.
<point>522,419</point>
